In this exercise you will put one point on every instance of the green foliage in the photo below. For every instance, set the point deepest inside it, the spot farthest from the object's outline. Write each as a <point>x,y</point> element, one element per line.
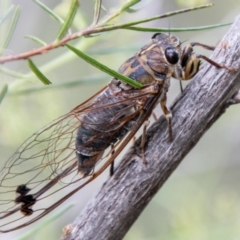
<point>104,68</point>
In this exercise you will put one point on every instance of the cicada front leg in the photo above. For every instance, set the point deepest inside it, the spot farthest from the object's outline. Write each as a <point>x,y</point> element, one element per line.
<point>218,65</point>
<point>190,62</point>
<point>143,140</point>
<point>111,170</point>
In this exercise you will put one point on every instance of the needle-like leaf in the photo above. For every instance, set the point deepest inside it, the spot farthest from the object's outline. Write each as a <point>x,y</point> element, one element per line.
<point>104,68</point>
<point>38,73</point>
<point>97,9</point>
<point>6,14</point>
<point>48,10</point>
<point>188,29</point>
<point>11,27</point>
<point>35,39</point>
<point>3,92</point>
<point>69,19</point>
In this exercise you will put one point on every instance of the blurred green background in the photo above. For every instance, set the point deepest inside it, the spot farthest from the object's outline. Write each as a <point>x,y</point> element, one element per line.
<point>201,200</point>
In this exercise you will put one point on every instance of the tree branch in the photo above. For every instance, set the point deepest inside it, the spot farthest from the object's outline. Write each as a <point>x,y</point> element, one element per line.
<point>110,214</point>
<point>103,26</point>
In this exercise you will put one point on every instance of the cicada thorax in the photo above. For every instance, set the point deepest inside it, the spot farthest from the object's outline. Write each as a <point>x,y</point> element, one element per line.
<point>156,61</point>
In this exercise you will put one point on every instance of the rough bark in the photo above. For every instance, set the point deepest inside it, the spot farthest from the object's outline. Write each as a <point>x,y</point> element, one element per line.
<point>111,213</point>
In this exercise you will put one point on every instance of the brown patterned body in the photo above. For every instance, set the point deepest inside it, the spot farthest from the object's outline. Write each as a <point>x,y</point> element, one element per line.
<point>149,66</point>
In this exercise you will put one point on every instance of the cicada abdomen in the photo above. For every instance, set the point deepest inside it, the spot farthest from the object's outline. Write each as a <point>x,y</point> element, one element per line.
<point>103,126</point>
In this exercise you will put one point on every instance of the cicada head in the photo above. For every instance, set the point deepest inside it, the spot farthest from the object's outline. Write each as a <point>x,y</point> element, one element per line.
<point>186,63</point>
<point>170,45</point>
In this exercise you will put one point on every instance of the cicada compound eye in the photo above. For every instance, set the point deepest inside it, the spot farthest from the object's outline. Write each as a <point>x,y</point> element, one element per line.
<point>171,55</point>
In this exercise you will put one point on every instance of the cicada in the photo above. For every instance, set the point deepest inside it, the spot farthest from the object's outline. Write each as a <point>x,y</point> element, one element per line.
<point>77,147</point>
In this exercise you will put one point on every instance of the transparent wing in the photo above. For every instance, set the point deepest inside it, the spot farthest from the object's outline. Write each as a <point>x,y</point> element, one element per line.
<point>46,163</point>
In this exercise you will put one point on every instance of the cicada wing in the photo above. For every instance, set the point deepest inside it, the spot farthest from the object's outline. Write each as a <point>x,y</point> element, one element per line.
<point>46,165</point>
<point>45,155</point>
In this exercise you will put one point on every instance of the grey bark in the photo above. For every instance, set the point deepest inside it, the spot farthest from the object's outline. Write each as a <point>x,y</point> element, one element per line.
<point>123,197</point>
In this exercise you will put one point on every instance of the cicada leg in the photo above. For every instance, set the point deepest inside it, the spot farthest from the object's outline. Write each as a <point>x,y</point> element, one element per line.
<point>168,115</point>
<point>112,164</point>
<point>218,65</point>
<point>143,140</point>
<point>154,116</point>
<point>190,61</point>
